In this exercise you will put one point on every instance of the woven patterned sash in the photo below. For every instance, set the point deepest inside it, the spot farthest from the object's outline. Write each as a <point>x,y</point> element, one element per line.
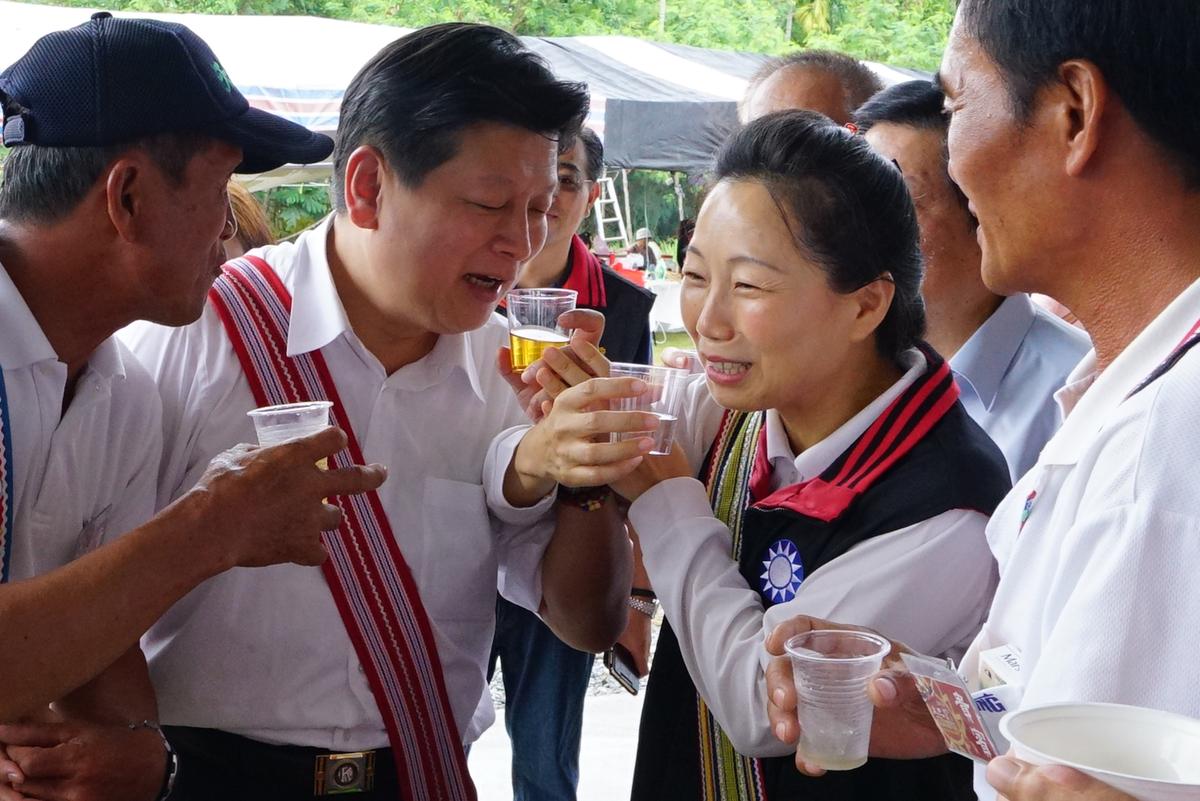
<point>7,483</point>
<point>727,775</point>
<point>370,581</point>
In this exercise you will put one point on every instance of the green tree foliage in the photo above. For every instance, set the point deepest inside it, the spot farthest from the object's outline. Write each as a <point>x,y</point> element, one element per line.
<point>291,209</point>
<point>743,25</point>
<point>905,33</point>
<point>314,8</point>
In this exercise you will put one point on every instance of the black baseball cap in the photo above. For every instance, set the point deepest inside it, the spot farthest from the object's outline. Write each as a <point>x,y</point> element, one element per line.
<point>114,80</point>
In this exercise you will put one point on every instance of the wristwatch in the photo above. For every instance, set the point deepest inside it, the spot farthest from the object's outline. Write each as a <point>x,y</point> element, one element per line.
<point>643,605</point>
<point>172,769</point>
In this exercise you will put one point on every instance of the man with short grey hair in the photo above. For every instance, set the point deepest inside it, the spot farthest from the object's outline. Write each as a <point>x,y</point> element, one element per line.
<point>817,80</point>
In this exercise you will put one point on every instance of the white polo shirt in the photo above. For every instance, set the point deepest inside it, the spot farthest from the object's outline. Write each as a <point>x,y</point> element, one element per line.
<point>1099,544</point>
<point>894,582</point>
<point>83,476</point>
<point>1010,369</point>
<point>264,653</point>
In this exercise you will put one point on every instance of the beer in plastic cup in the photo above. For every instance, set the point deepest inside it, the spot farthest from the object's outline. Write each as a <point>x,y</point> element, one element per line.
<point>533,322</point>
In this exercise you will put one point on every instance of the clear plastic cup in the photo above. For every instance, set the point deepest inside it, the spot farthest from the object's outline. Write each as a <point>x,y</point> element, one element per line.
<point>284,423</point>
<point>831,671</point>
<point>533,322</point>
<point>664,399</point>
<point>683,359</point>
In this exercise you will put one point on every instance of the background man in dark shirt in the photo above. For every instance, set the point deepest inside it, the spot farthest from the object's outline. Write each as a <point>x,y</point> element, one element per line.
<point>545,680</point>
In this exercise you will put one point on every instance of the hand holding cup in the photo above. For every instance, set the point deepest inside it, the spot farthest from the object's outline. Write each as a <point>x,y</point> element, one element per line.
<point>265,505</point>
<point>901,727</point>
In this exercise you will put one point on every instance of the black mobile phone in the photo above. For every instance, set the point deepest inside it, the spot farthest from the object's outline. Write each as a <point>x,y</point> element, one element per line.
<point>619,662</point>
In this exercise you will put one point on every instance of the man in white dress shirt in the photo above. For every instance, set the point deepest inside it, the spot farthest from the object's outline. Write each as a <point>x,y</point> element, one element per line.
<point>1009,355</point>
<point>444,171</point>
<point>113,209</point>
<point>1072,136</point>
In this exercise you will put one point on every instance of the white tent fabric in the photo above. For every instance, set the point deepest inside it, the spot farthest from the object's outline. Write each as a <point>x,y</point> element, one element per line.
<point>655,105</point>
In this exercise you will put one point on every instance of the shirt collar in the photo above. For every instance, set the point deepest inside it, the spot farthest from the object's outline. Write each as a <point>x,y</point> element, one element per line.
<point>1090,397</point>
<point>984,359</point>
<point>817,458</point>
<point>318,318</point>
<point>23,342</point>
<point>107,361</point>
<point>452,353</point>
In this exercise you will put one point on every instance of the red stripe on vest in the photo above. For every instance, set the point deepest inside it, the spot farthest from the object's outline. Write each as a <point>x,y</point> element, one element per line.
<point>927,387</point>
<point>825,498</point>
<point>368,577</point>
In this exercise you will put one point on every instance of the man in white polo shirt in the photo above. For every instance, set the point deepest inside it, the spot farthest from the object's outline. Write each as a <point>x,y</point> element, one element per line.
<point>444,171</point>
<point>112,209</point>
<point>1073,136</point>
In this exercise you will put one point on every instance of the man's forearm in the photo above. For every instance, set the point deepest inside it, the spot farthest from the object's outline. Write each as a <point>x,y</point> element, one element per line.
<point>586,574</point>
<point>122,694</point>
<point>63,628</point>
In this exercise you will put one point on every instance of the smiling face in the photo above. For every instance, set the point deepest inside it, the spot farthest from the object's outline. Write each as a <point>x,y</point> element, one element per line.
<point>576,192</point>
<point>770,331</point>
<point>444,252</point>
<point>1005,166</point>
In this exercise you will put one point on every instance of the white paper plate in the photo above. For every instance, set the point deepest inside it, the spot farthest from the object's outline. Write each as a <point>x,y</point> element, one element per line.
<point>1150,754</point>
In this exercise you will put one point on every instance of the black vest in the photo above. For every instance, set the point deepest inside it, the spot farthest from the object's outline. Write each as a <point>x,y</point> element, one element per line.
<point>953,466</point>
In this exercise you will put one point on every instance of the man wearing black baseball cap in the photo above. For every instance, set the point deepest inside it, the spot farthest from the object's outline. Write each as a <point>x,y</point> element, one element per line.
<point>113,81</point>
<point>113,208</point>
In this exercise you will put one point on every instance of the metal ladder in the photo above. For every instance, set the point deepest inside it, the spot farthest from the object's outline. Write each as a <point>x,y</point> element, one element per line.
<point>605,204</point>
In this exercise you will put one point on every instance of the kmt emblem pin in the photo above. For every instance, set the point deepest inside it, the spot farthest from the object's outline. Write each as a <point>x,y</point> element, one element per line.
<point>782,573</point>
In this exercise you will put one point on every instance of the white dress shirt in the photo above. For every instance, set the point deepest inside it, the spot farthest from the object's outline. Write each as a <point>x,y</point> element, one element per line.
<point>83,476</point>
<point>1008,372</point>
<point>264,653</point>
<point>895,582</point>
<point>1098,545</point>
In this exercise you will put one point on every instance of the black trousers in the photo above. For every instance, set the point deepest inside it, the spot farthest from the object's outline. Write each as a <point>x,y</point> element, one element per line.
<point>219,766</point>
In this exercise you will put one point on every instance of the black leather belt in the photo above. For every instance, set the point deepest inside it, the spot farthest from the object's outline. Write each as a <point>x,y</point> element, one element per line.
<point>220,766</point>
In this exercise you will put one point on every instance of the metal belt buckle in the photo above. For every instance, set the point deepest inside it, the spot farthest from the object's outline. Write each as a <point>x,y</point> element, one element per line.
<point>344,773</point>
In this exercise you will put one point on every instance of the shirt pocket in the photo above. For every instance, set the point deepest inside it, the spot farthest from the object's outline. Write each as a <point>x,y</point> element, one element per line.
<point>54,537</point>
<point>457,574</point>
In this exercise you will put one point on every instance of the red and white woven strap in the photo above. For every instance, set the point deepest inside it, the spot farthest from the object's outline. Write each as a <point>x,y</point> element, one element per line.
<point>7,484</point>
<point>370,581</point>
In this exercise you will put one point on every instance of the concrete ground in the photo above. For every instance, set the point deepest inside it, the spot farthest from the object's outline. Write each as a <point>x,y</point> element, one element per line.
<point>610,724</point>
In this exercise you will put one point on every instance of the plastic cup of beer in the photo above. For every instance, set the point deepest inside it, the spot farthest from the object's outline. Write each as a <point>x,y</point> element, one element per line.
<point>663,399</point>
<point>533,322</point>
<point>831,671</point>
<point>278,424</point>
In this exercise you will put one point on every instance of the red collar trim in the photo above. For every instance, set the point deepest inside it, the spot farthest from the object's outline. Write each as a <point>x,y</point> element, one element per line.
<point>905,422</point>
<point>586,276</point>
